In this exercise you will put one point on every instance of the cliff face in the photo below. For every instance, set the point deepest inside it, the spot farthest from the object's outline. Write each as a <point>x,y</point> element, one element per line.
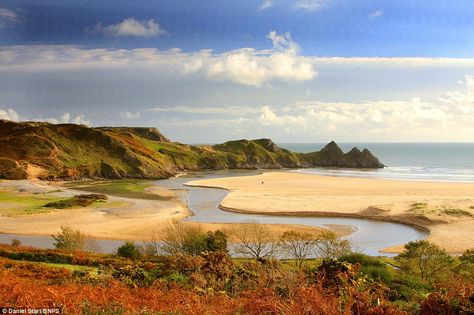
<point>68,151</point>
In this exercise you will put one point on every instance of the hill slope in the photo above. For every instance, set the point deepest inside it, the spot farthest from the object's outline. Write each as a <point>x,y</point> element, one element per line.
<point>69,151</point>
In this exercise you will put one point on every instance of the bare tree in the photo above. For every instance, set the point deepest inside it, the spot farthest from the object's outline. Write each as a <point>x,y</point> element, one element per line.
<point>254,240</point>
<point>152,246</point>
<point>70,239</point>
<point>298,246</point>
<point>330,245</point>
<point>184,238</point>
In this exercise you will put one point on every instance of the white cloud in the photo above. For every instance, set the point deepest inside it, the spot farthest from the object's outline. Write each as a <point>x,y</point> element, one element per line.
<point>268,117</point>
<point>227,110</point>
<point>378,13</point>
<point>7,16</point>
<point>9,114</point>
<point>245,66</point>
<point>129,115</point>
<point>310,5</point>
<point>266,4</point>
<point>65,118</point>
<point>131,27</point>
<point>283,42</point>
<point>226,123</point>
<point>450,116</point>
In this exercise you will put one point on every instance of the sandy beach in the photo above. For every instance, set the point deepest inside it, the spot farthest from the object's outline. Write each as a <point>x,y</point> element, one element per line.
<point>445,209</point>
<point>118,218</point>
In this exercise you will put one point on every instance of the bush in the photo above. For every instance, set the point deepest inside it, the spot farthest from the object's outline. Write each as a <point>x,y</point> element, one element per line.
<point>69,239</point>
<point>254,240</point>
<point>15,242</point>
<point>425,260</point>
<point>216,241</point>
<point>372,267</point>
<point>76,201</point>
<point>330,246</point>
<point>129,250</point>
<point>190,239</point>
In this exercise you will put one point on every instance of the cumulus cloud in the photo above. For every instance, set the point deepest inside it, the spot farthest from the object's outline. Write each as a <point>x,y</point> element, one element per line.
<point>245,66</point>
<point>450,113</point>
<point>376,14</point>
<point>7,16</point>
<point>251,67</point>
<point>130,27</point>
<point>9,114</point>
<point>129,115</point>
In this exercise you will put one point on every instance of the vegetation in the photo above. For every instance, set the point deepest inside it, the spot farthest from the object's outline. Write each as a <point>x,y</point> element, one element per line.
<point>254,240</point>
<point>77,201</point>
<point>297,245</point>
<point>214,283</point>
<point>69,239</point>
<point>20,203</point>
<point>189,239</point>
<point>68,151</point>
<point>425,260</point>
<point>129,250</point>
<point>119,188</point>
<point>330,245</point>
<point>457,212</point>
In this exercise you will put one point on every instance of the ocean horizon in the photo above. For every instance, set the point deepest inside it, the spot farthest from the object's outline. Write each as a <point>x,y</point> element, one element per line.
<point>419,161</point>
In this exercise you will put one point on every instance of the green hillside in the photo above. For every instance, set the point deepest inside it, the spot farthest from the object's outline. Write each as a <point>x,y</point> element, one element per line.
<point>69,151</point>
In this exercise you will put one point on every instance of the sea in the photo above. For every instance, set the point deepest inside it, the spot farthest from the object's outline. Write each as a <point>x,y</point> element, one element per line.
<point>442,162</point>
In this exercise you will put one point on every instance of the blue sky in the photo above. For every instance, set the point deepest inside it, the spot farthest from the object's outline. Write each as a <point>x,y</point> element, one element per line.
<point>292,70</point>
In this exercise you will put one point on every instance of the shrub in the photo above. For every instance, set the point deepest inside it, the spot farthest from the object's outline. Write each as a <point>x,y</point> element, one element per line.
<point>454,297</point>
<point>254,240</point>
<point>129,250</point>
<point>216,241</point>
<point>76,201</point>
<point>184,238</point>
<point>370,266</point>
<point>425,259</point>
<point>69,239</point>
<point>15,242</point>
<point>298,246</point>
<point>189,239</point>
<point>331,246</point>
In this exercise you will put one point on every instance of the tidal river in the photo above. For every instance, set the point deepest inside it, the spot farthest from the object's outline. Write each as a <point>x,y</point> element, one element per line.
<point>369,236</point>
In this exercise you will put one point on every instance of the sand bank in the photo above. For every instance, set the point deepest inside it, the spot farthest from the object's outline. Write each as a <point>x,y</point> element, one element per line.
<point>445,209</point>
<point>118,218</point>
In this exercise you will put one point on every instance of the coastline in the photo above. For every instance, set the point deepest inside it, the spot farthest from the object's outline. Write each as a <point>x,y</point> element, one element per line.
<point>366,198</point>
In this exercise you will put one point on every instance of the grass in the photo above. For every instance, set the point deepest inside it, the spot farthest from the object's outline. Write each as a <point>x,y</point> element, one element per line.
<point>15,203</point>
<point>120,188</point>
<point>77,201</point>
<point>91,270</point>
<point>457,212</point>
<point>418,205</point>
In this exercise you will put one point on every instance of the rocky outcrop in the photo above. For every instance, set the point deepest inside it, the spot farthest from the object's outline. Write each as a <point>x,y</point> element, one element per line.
<point>333,156</point>
<point>69,151</point>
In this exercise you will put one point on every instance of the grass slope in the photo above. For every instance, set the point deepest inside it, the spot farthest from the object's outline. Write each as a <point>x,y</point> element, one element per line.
<point>69,151</point>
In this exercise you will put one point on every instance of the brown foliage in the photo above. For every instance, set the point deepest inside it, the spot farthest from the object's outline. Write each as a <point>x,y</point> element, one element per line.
<point>453,297</point>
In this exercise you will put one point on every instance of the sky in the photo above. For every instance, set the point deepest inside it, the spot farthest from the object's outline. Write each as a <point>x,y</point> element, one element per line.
<point>211,71</point>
